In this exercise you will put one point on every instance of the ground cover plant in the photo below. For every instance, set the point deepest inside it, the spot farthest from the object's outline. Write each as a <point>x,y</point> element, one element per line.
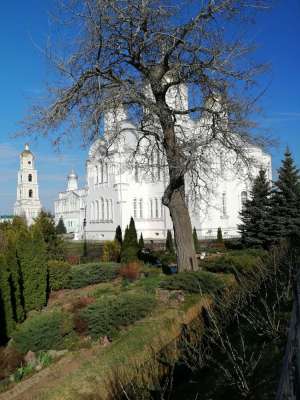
<point>88,274</point>
<point>108,316</point>
<point>59,274</point>
<point>194,282</point>
<point>43,331</point>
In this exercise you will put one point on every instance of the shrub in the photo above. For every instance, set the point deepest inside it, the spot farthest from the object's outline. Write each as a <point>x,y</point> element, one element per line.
<point>43,332</point>
<point>111,251</point>
<point>73,259</point>
<point>193,282</point>
<point>59,274</point>
<point>88,274</point>
<point>131,271</point>
<point>238,262</point>
<point>130,248</point>
<point>106,317</point>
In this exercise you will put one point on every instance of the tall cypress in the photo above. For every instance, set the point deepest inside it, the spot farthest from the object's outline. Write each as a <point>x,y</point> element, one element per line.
<point>6,307</point>
<point>255,229</point>
<point>130,248</point>
<point>196,241</point>
<point>285,211</point>
<point>118,235</point>
<point>169,242</point>
<point>32,256</point>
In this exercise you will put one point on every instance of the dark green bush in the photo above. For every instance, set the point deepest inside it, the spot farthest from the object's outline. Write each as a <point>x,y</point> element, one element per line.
<point>42,332</point>
<point>59,274</point>
<point>193,282</point>
<point>106,317</point>
<point>88,274</point>
<point>239,262</point>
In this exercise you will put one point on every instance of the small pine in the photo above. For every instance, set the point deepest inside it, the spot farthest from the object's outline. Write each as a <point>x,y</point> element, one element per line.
<point>220,235</point>
<point>118,235</point>
<point>60,227</point>
<point>130,248</point>
<point>196,241</point>
<point>169,243</point>
<point>141,242</point>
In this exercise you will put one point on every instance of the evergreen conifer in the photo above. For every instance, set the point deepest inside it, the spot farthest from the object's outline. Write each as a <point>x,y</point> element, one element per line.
<point>6,312</point>
<point>196,241</point>
<point>60,227</point>
<point>255,230</point>
<point>285,212</point>
<point>219,235</point>
<point>169,243</point>
<point>118,235</point>
<point>32,256</point>
<point>46,225</point>
<point>141,242</point>
<point>129,251</point>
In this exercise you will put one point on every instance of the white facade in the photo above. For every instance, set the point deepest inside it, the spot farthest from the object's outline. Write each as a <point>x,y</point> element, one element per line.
<point>117,190</point>
<point>28,203</point>
<point>71,206</point>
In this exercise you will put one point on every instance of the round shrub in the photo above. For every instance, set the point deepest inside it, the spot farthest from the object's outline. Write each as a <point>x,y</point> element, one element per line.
<point>59,274</point>
<point>43,332</point>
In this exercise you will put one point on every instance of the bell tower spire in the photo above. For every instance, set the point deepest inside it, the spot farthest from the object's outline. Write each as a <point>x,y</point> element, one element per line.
<point>28,202</point>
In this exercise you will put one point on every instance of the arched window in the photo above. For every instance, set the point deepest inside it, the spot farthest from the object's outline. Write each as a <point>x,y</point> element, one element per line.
<point>134,208</point>
<point>111,209</point>
<point>244,198</point>
<point>156,209</point>
<point>102,209</point>
<point>98,211</point>
<point>107,210</point>
<point>30,193</point>
<point>101,172</point>
<point>96,174</point>
<point>106,172</point>
<point>29,178</point>
<point>151,208</point>
<point>141,208</point>
<point>224,204</point>
<point>92,211</point>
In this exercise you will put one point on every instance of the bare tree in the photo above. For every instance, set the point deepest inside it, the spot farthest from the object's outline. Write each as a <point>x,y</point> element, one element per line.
<point>143,55</point>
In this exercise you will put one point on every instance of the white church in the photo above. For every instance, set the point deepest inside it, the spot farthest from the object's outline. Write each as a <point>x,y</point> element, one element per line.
<point>117,189</point>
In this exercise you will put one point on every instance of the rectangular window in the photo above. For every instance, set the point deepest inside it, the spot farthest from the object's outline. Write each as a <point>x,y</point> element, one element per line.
<point>134,208</point>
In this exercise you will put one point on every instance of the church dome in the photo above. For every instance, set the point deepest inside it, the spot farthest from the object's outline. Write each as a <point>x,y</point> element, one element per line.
<point>72,175</point>
<point>26,150</point>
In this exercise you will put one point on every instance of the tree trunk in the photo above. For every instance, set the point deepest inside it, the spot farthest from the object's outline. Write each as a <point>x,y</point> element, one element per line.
<point>186,255</point>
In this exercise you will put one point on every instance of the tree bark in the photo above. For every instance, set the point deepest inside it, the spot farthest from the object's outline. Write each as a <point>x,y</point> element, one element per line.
<point>174,199</point>
<point>186,255</point>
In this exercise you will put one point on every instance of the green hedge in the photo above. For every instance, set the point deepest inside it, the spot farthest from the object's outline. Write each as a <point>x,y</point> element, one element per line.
<point>59,274</point>
<point>194,282</point>
<point>243,263</point>
<point>43,332</point>
<point>106,317</point>
<point>88,274</point>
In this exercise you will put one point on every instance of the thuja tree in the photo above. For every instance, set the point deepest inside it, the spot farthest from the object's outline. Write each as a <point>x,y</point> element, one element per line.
<point>32,256</point>
<point>284,218</point>
<point>130,247</point>
<point>45,224</point>
<point>7,319</point>
<point>118,234</point>
<point>169,242</point>
<point>138,54</point>
<point>255,215</point>
<point>60,227</point>
<point>196,241</point>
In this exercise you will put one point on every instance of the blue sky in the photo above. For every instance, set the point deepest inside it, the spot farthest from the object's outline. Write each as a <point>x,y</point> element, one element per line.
<point>24,26</point>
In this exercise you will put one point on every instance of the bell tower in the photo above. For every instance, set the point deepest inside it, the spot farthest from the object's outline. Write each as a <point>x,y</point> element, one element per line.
<point>28,203</point>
